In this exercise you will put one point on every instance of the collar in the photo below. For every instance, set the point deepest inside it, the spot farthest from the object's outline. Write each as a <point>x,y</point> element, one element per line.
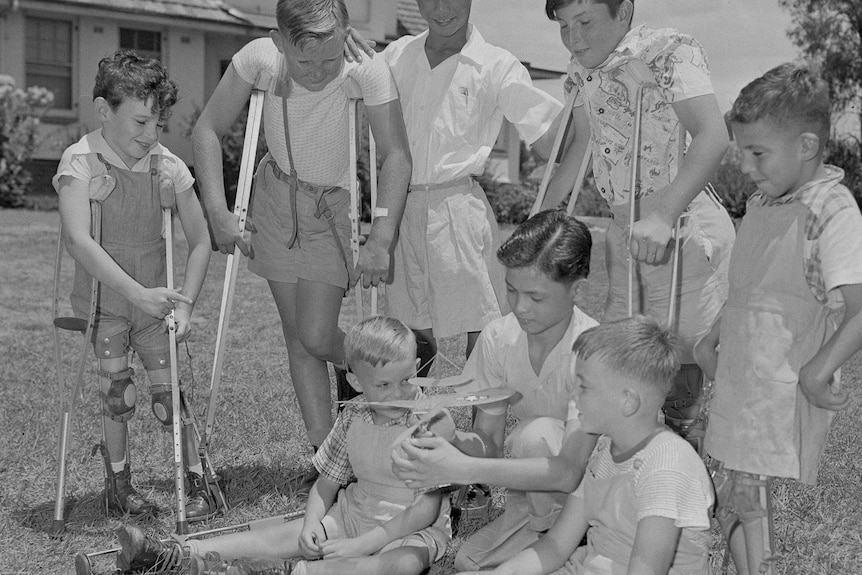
<point>473,51</point>
<point>99,145</point>
<point>833,176</point>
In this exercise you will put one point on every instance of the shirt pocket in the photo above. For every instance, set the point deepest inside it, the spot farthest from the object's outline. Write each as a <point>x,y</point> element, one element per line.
<point>460,113</point>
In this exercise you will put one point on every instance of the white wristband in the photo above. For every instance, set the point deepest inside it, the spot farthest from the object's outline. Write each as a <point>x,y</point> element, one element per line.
<point>380,212</point>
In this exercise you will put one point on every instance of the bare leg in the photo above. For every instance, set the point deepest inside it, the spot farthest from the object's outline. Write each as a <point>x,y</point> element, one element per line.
<point>309,318</point>
<point>272,542</point>
<point>401,561</point>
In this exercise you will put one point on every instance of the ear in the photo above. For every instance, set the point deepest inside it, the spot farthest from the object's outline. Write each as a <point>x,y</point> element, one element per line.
<point>625,11</point>
<point>808,146</point>
<point>277,39</point>
<point>575,289</point>
<point>631,401</point>
<point>354,382</point>
<point>102,109</point>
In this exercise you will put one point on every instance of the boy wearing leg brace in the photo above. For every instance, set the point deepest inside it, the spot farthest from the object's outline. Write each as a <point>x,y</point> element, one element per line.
<point>610,59</point>
<point>375,525</point>
<point>133,98</point>
<point>777,346</point>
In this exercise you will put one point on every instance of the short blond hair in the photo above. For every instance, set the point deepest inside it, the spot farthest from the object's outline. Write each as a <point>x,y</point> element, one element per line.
<point>379,340</point>
<point>305,21</point>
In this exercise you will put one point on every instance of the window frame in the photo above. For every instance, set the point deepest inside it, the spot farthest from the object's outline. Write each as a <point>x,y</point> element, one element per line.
<point>55,114</point>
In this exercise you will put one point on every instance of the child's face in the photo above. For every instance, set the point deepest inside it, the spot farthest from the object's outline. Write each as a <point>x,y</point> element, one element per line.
<point>445,17</point>
<point>597,395</point>
<point>771,156</point>
<point>388,382</point>
<point>131,129</point>
<point>315,64</point>
<point>538,302</point>
<point>589,31</point>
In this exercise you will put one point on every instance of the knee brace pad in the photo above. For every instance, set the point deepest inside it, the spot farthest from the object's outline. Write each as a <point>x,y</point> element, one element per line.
<point>162,403</point>
<point>118,402</point>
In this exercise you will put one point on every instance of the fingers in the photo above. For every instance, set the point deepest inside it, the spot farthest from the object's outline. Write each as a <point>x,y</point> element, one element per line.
<point>645,251</point>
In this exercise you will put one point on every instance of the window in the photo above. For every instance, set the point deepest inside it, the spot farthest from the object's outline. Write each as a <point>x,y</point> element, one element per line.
<point>146,43</point>
<point>48,58</point>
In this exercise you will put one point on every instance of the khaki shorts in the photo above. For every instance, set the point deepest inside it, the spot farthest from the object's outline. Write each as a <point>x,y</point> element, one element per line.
<point>315,256</point>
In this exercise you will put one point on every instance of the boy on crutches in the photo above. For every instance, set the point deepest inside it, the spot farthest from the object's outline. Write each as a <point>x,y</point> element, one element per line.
<point>794,270</point>
<point>133,98</point>
<point>604,46</point>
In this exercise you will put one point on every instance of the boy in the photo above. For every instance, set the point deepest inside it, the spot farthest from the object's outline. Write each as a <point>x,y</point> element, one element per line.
<point>376,525</point>
<point>646,496</point>
<point>547,259</point>
<point>455,89</point>
<point>133,98</point>
<point>608,55</point>
<point>301,199</point>
<point>794,269</point>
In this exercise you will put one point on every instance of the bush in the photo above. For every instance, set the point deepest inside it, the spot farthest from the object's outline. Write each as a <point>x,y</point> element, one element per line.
<point>732,185</point>
<point>845,154</point>
<point>20,113</point>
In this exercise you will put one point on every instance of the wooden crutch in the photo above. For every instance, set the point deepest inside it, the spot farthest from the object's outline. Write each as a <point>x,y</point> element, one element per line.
<point>555,150</point>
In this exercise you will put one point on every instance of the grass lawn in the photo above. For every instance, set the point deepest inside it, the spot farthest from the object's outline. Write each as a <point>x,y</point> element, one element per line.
<point>259,440</point>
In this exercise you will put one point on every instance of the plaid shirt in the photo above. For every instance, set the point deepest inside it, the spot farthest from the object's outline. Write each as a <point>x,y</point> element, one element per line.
<point>332,459</point>
<point>833,226</point>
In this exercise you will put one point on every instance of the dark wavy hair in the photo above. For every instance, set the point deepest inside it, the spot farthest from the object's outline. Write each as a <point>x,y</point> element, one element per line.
<point>127,75</point>
<point>553,242</point>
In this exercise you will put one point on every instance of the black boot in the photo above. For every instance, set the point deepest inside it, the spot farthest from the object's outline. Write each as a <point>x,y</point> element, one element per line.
<point>140,552</point>
<point>120,495</point>
<point>201,502</point>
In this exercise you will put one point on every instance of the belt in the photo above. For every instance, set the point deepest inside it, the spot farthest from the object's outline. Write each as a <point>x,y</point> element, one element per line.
<point>441,186</point>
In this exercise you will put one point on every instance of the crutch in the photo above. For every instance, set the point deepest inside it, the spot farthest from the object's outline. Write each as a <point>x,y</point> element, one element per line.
<point>84,561</point>
<point>555,150</point>
<point>240,209</point>
<point>99,189</point>
<point>168,200</point>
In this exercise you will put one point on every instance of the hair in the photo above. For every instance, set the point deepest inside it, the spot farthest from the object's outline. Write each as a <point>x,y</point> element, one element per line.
<point>306,21</point>
<point>553,242</point>
<point>789,94</point>
<point>551,6</point>
<point>127,75</point>
<point>637,347</point>
<point>379,340</point>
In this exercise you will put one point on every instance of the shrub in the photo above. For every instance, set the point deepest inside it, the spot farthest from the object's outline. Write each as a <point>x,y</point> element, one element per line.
<point>20,113</point>
<point>732,186</point>
<point>845,154</point>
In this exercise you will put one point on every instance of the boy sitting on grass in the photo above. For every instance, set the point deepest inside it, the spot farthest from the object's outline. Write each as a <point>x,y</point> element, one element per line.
<point>645,496</point>
<point>375,525</point>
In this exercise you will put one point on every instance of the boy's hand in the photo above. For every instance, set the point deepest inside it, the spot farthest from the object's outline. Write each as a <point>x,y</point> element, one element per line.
<point>159,301</point>
<point>650,237</point>
<point>706,350</point>
<point>226,234</point>
<point>353,547</point>
<point>182,320</point>
<point>373,264</point>
<point>822,394</point>
<point>311,539</point>
<point>356,47</point>
<point>426,462</point>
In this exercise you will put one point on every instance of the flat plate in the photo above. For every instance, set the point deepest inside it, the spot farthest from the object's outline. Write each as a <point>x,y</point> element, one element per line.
<point>451,381</point>
<point>440,400</point>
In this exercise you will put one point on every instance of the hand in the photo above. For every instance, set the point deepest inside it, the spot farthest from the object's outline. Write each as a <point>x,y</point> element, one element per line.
<point>373,265</point>
<point>353,547</point>
<point>649,239</point>
<point>226,233</point>
<point>159,301</point>
<point>427,462</point>
<point>825,394</point>
<point>182,320</point>
<point>355,46</point>
<point>311,539</point>
<point>706,351</point>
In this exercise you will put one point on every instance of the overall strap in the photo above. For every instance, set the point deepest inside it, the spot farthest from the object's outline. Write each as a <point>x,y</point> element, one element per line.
<point>292,177</point>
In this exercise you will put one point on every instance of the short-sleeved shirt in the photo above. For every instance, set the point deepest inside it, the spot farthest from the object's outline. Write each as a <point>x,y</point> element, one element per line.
<point>454,111</point>
<point>318,121</point>
<point>666,478</point>
<point>833,235</point>
<point>75,164</point>
<point>677,64</point>
<point>501,358</point>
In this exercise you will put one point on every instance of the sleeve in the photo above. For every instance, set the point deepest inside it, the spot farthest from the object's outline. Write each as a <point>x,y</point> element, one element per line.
<point>72,164</point>
<point>681,70</point>
<point>529,109</point>
<point>375,81</point>
<point>573,81</point>
<point>485,368</point>
<point>254,57</point>
<point>673,483</point>
<point>331,458</point>
<point>840,243</point>
<point>178,172</point>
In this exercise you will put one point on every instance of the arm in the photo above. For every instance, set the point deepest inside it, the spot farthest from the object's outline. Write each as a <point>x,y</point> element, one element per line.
<point>75,217</point>
<point>223,108</point>
<point>576,148</point>
<point>656,540</point>
<point>421,514</point>
<point>706,350</point>
<point>701,117</point>
<point>816,377</point>
<point>552,551</point>
<point>320,499</point>
<point>195,230</point>
<point>387,125</point>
